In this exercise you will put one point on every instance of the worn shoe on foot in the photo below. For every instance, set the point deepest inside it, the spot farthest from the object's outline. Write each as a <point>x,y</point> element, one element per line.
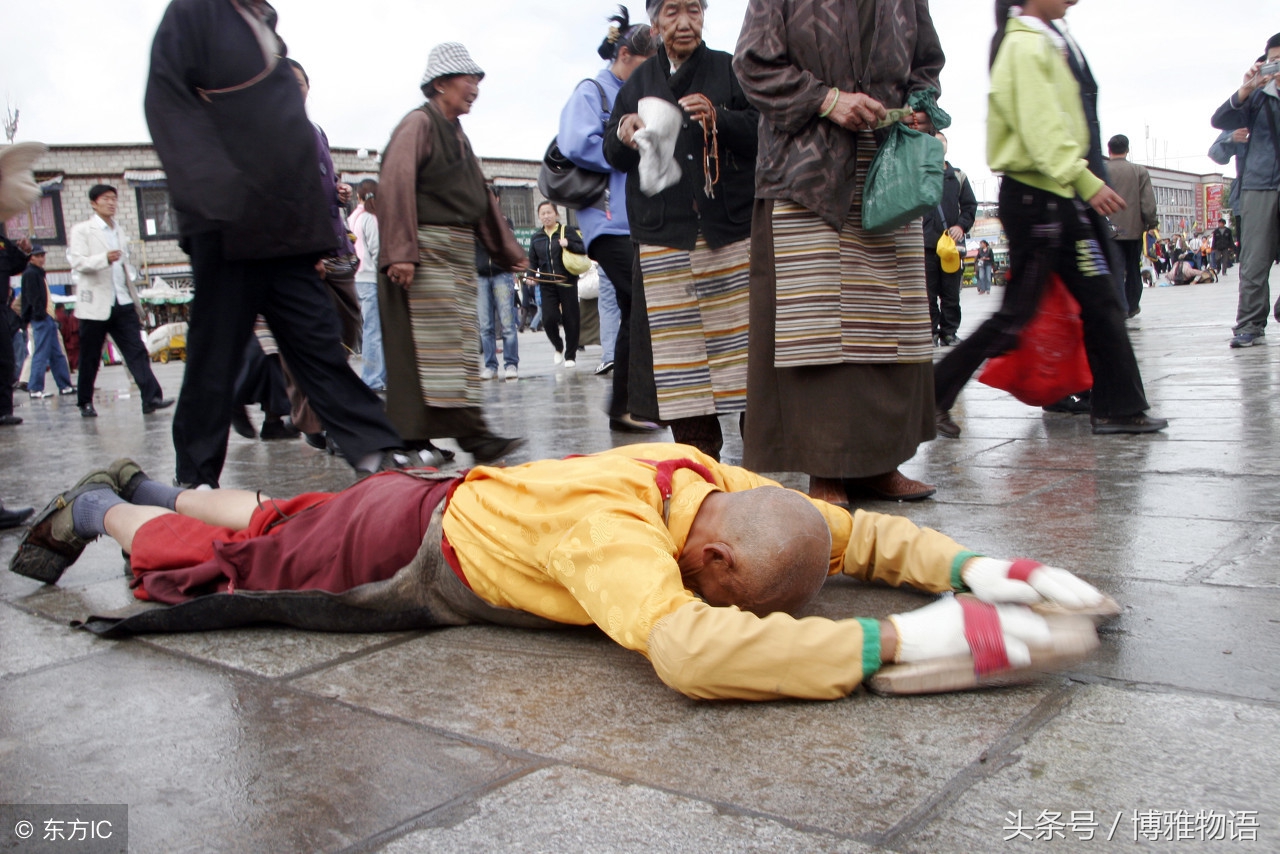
<point>162,403</point>
<point>892,486</point>
<point>10,420</point>
<point>1247,339</point>
<point>604,368</point>
<point>87,411</point>
<point>1140,423</point>
<point>51,544</point>
<point>944,425</point>
<point>511,374</point>
<point>487,373</point>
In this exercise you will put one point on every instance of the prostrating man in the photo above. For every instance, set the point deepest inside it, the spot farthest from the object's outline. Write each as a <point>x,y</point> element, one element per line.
<point>954,216</point>
<point>1133,183</point>
<point>230,127</point>
<point>1256,107</point>
<point>659,545</point>
<point>107,302</point>
<point>37,313</point>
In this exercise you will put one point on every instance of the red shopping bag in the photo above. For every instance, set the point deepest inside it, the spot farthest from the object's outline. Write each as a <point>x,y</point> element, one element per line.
<point>1049,362</point>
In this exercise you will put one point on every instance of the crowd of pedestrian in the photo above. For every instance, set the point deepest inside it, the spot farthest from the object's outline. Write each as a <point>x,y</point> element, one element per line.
<point>740,282</point>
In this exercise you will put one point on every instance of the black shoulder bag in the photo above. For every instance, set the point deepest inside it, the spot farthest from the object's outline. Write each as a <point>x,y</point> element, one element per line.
<point>563,182</point>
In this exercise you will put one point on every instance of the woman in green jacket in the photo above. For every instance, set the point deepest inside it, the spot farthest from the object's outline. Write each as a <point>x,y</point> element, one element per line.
<point>1037,137</point>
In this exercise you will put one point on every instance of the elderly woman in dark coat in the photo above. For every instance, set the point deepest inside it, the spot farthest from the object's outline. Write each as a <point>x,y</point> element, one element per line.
<point>689,319</point>
<point>432,204</point>
<point>841,378</point>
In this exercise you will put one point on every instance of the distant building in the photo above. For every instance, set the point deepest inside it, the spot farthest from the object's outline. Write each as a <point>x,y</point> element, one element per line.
<point>1187,202</point>
<point>66,173</point>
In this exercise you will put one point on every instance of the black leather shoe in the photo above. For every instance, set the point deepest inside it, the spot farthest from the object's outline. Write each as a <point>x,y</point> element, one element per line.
<point>1072,404</point>
<point>10,420</point>
<point>493,449</point>
<point>944,425</point>
<point>1128,424</point>
<point>278,428</point>
<point>87,411</point>
<point>163,403</point>
<point>14,517</point>
<point>241,424</point>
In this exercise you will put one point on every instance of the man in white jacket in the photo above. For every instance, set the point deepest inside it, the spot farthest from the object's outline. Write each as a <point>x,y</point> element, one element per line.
<point>107,303</point>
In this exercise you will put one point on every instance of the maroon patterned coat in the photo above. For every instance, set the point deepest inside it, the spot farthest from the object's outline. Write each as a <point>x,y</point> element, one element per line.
<point>790,54</point>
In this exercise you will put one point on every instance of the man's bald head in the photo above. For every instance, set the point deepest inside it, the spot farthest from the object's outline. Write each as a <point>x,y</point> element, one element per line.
<point>765,549</point>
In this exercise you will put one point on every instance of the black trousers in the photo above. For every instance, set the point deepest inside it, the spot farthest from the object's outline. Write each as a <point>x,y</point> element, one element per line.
<point>616,254</point>
<point>944,294</point>
<point>126,332</point>
<point>1050,234</point>
<point>1131,272</point>
<point>8,374</point>
<point>288,292</point>
<point>560,304</point>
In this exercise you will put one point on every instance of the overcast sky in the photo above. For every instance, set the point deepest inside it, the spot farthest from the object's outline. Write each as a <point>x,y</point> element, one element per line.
<point>78,73</point>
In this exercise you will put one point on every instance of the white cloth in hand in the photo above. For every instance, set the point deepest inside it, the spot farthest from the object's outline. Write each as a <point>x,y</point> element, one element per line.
<point>937,631</point>
<point>989,580</point>
<point>657,144</point>
<point>18,188</point>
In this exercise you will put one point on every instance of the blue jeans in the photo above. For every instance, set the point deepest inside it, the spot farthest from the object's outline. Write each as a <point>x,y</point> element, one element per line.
<point>497,297</point>
<point>375,366</point>
<point>47,355</point>
<point>610,317</point>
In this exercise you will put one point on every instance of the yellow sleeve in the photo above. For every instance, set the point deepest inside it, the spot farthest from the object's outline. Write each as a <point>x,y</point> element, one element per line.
<point>893,550</point>
<point>726,654</point>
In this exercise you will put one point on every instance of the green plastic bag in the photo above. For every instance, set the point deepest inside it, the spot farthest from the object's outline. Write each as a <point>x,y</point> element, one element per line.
<point>905,179</point>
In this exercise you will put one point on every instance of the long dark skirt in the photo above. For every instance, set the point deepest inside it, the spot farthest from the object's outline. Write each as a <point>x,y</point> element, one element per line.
<point>833,421</point>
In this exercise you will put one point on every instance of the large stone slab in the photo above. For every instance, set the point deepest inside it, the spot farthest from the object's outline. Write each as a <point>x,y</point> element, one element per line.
<point>1201,637</point>
<point>570,810</point>
<point>1113,753</point>
<point>28,642</point>
<point>578,698</point>
<point>210,760</point>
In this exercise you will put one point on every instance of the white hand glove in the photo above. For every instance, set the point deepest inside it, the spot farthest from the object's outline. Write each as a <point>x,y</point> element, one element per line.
<point>990,581</point>
<point>937,631</point>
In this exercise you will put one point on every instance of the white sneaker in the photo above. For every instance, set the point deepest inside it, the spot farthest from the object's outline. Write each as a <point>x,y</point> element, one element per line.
<point>488,373</point>
<point>557,358</point>
<point>569,363</point>
<point>512,373</point>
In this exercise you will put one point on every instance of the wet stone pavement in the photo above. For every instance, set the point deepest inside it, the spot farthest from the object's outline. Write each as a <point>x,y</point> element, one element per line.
<point>494,739</point>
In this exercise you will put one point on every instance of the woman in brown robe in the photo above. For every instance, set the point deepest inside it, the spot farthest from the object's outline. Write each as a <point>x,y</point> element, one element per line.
<point>840,372</point>
<point>432,204</point>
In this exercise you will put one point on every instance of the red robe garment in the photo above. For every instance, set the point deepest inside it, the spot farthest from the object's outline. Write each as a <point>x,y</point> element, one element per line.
<point>326,541</point>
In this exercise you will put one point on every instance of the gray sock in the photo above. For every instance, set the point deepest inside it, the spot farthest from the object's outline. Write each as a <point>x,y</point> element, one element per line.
<point>153,493</point>
<point>90,509</point>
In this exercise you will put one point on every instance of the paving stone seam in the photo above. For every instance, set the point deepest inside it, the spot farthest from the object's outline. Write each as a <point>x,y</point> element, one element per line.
<point>439,815</point>
<point>1167,689</point>
<point>1235,549</point>
<point>345,657</point>
<point>998,755</point>
<point>721,807</point>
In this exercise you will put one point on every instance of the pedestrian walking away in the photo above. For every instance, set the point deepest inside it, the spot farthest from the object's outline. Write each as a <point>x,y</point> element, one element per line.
<point>1043,199</point>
